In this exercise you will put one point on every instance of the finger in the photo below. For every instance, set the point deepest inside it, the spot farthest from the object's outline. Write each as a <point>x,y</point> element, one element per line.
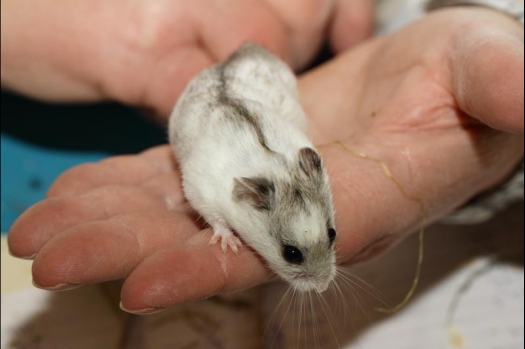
<point>41,222</point>
<point>160,157</point>
<point>488,68</point>
<point>108,250</point>
<point>306,23</point>
<point>247,21</point>
<point>117,170</point>
<point>190,272</point>
<point>171,75</point>
<point>353,22</point>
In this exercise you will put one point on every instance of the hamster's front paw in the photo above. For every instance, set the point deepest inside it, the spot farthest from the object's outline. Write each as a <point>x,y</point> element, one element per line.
<point>227,238</point>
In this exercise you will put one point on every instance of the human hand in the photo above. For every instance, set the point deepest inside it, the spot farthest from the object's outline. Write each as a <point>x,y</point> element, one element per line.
<point>419,100</point>
<point>440,103</point>
<point>143,53</point>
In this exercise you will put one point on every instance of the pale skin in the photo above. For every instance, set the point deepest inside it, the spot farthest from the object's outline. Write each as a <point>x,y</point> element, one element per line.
<point>440,101</point>
<point>144,52</point>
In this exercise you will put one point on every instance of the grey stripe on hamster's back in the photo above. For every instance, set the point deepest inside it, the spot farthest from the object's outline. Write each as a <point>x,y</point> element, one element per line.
<point>239,110</point>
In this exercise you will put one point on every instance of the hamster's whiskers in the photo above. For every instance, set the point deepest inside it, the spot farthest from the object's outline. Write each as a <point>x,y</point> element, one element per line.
<point>424,218</point>
<point>346,283</point>
<point>313,315</point>
<point>287,293</point>
<point>324,304</point>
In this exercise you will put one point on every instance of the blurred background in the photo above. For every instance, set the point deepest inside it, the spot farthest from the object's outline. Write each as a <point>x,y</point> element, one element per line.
<point>39,141</point>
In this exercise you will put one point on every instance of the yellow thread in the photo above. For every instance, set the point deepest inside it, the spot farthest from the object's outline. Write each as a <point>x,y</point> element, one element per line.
<point>423,211</point>
<point>456,339</point>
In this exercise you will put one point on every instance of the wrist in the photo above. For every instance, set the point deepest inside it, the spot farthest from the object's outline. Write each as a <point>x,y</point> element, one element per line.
<point>512,8</point>
<point>394,14</point>
<point>485,206</point>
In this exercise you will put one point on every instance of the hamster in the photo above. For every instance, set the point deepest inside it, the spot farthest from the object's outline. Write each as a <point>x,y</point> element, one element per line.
<point>247,166</point>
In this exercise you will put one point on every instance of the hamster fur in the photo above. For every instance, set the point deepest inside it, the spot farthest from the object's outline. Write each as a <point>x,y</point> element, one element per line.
<point>247,166</point>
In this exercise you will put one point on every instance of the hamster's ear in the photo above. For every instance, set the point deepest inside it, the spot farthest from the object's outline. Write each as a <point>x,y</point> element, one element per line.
<point>310,162</point>
<point>257,191</point>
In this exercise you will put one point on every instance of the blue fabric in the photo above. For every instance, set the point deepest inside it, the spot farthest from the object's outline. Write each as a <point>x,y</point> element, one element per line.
<point>28,170</point>
<point>40,141</point>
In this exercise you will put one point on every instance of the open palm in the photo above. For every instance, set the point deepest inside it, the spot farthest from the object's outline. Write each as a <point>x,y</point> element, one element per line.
<point>419,100</point>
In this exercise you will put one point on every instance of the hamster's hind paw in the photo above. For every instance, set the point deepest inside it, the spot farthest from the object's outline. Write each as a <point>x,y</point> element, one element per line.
<point>227,239</point>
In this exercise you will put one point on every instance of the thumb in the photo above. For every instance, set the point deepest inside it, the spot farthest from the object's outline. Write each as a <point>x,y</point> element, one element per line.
<point>353,21</point>
<point>488,76</point>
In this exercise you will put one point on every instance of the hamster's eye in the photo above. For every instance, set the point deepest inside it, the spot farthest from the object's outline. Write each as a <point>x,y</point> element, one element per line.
<point>292,254</point>
<point>331,235</point>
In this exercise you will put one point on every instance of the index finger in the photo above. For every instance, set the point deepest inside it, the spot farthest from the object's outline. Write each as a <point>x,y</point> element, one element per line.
<point>190,272</point>
<point>116,170</point>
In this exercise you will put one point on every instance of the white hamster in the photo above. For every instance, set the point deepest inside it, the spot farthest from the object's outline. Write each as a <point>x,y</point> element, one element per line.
<point>247,166</point>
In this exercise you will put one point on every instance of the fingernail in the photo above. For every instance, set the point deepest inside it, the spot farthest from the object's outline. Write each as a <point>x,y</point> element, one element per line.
<point>59,287</point>
<point>146,311</point>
